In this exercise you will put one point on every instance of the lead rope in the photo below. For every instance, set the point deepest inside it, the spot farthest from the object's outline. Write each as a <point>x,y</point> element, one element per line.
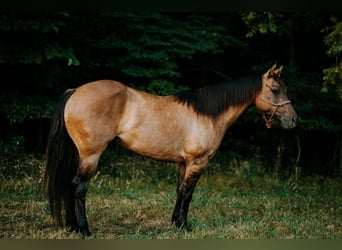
<point>268,122</point>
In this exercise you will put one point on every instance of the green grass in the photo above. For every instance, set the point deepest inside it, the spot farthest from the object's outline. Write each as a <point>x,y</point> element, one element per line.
<point>224,206</point>
<point>219,210</point>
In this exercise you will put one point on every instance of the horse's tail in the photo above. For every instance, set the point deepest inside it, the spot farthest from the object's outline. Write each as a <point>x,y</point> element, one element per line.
<point>61,163</point>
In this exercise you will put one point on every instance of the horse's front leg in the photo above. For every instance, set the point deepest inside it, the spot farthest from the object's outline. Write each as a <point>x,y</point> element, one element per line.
<point>181,175</point>
<point>184,196</point>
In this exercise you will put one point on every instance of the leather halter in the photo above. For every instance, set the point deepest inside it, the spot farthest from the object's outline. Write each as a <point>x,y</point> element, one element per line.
<point>276,106</point>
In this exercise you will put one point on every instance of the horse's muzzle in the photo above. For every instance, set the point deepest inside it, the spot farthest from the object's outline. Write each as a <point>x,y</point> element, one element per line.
<point>289,122</point>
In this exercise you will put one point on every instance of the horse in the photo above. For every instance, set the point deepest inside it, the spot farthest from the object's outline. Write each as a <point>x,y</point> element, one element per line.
<point>185,128</point>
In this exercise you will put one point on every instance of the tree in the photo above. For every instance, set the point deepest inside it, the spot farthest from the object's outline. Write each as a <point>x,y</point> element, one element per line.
<point>42,54</point>
<point>143,48</point>
<point>30,49</point>
<point>333,75</point>
<point>56,51</point>
<point>319,113</point>
<point>149,48</point>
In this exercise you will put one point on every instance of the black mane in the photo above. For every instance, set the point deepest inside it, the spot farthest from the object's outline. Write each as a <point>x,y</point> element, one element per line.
<point>215,99</point>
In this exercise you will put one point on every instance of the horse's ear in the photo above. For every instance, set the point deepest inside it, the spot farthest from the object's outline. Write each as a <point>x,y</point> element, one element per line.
<point>277,72</point>
<point>270,72</point>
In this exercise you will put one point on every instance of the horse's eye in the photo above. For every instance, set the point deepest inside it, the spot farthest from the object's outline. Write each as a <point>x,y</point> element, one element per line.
<point>275,89</point>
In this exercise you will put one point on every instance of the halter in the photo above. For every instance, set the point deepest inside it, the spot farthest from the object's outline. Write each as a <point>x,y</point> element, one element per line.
<point>276,106</point>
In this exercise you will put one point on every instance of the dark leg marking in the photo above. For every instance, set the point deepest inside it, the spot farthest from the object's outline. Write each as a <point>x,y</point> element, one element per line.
<point>81,187</point>
<point>176,211</point>
<point>71,223</point>
<point>185,192</point>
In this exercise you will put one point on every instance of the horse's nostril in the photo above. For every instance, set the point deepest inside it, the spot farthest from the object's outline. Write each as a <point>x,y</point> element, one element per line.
<point>294,119</point>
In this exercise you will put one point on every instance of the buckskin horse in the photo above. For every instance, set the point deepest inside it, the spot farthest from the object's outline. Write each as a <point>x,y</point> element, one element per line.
<point>186,128</point>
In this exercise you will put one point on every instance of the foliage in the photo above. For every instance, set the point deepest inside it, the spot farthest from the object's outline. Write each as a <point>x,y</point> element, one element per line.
<point>317,112</point>
<point>304,88</point>
<point>333,75</point>
<point>34,38</point>
<point>20,107</point>
<point>42,54</point>
<point>146,49</point>
<point>33,45</point>
<point>261,22</point>
<point>151,46</point>
<point>162,87</point>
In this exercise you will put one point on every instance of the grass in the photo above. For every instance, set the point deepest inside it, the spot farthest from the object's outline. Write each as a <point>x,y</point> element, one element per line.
<point>224,206</point>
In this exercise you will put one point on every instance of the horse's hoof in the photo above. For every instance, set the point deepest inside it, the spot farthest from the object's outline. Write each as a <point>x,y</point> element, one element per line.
<point>188,229</point>
<point>73,228</point>
<point>86,233</point>
<point>181,225</point>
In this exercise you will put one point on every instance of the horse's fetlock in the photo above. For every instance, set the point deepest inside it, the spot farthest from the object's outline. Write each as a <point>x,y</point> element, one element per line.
<point>76,180</point>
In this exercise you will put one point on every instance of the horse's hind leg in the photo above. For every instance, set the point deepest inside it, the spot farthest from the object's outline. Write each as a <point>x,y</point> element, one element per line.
<point>85,171</point>
<point>70,213</point>
<point>81,188</point>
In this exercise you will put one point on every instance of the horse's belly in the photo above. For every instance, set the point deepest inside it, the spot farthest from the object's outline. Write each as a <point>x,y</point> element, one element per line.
<point>163,149</point>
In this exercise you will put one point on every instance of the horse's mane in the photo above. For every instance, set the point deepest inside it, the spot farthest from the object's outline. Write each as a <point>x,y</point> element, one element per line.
<point>215,99</point>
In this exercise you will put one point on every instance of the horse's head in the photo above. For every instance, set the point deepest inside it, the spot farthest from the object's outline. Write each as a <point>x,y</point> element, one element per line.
<point>272,100</point>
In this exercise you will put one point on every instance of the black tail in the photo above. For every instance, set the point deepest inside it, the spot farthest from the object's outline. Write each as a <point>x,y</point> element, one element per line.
<point>61,163</point>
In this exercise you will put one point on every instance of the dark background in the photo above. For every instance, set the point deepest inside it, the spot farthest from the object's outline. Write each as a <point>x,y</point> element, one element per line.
<point>43,54</point>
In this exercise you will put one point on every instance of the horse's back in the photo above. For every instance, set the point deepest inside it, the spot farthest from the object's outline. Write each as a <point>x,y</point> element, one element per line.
<point>101,87</point>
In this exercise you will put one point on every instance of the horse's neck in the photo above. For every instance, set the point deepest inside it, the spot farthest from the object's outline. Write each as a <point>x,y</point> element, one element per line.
<point>227,118</point>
